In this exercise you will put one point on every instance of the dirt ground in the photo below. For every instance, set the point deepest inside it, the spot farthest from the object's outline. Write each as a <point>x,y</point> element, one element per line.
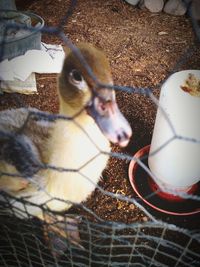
<point>143,49</point>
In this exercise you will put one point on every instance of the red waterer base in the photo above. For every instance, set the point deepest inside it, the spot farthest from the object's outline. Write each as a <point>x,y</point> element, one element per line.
<point>146,188</point>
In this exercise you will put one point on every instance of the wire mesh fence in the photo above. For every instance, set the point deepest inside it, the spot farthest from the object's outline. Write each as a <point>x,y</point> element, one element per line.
<point>28,240</point>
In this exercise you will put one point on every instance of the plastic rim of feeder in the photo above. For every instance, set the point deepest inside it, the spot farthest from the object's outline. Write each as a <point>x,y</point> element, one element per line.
<point>132,172</point>
<point>20,45</point>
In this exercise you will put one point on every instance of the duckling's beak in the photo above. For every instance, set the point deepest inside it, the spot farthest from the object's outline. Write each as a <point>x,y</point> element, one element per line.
<point>104,110</point>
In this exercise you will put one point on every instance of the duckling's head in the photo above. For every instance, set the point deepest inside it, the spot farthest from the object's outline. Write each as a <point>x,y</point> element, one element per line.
<point>79,92</point>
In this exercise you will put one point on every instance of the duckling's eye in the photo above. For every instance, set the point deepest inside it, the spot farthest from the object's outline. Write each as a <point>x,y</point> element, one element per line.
<point>75,77</point>
<point>77,80</point>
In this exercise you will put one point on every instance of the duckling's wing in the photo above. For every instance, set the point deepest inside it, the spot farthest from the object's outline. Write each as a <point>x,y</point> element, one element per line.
<point>23,140</point>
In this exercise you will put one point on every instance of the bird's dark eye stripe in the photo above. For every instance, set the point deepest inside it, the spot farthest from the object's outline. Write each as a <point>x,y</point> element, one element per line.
<point>76,75</point>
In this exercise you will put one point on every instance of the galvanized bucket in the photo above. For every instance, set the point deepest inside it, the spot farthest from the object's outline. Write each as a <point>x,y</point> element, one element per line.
<point>15,41</point>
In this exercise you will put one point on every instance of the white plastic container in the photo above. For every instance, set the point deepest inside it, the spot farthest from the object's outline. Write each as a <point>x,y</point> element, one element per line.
<point>177,165</point>
<point>133,2</point>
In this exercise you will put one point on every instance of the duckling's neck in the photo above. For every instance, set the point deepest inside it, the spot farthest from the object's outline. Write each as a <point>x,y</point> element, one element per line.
<point>76,145</point>
<point>76,142</point>
<point>79,136</point>
<point>82,118</point>
<point>66,109</point>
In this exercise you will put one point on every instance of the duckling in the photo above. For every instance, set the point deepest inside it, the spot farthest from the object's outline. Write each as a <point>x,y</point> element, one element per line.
<point>31,145</point>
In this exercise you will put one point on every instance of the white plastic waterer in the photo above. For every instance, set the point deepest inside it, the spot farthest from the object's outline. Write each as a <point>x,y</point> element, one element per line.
<point>177,165</point>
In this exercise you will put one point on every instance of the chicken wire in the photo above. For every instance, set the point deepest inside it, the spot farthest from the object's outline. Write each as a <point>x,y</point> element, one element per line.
<point>104,243</point>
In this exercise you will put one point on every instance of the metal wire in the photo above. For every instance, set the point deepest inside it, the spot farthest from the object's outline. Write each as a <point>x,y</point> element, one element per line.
<point>103,243</point>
